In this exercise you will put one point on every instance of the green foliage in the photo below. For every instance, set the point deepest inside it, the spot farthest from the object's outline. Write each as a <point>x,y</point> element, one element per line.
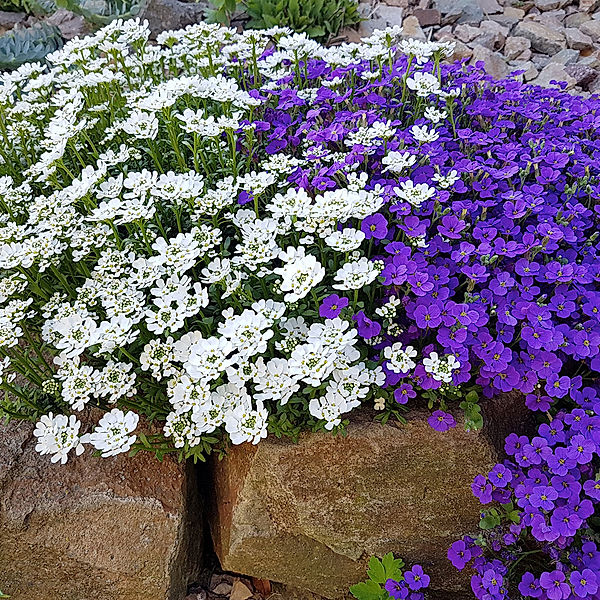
<point>26,45</point>
<point>495,516</point>
<point>379,572</point>
<point>222,12</point>
<point>102,12</point>
<point>33,7</point>
<point>320,19</point>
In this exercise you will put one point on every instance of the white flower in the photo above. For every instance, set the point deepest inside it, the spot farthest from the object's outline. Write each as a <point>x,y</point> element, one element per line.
<point>243,424</point>
<point>57,435</point>
<point>300,273</point>
<point>440,368</point>
<point>111,436</point>
<point>423,135</point>
<point>423,83</point>
<point>414,194</point>
<point>356,274</point>
<point>208,358</point>
<point>400,360</point>
<point>346,240</point>
<point>398,161</point>
<point>274,382</point>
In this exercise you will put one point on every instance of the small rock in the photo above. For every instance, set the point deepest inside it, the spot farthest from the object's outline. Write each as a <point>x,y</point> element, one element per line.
<point>223,589</point>
<point>460,51</point>
<point>495,65</point>
<point>172,14</point>
<point>69,24</point>
<point>543,38</point>
<point>588,5</point>
<point>545,5</point>
<point>577,39</point>
<point>592,61</point>
<point>392,15</point>
<point>444,32</point>
<point>516,45</point>
<point>576,19</point>
<point>9,19</point>
<point>511,16</point>
<point>493,33</point>
<point>554,72</point>
<point>582,74</point>
<point>565,57</point>
<point>240,591</point>
<point>461,11</point>
<point>540,60</point>
<point>591,28</point>
<point>489,7</point>
<point>427,16</point>
<point>466,33</point>
<point>411,29</point>
<point>530,71</point>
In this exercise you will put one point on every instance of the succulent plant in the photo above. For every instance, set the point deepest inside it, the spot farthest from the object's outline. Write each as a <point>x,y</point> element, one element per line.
<point>22,45</point>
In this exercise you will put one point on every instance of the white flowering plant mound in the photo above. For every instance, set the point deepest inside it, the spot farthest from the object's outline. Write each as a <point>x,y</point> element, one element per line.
<point>159,257</point>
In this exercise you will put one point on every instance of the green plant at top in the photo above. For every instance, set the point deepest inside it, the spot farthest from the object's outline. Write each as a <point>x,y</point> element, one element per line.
<point>26,45</point>
<point>102,12</point>
<point>320,19</point>
<point>32,7</point>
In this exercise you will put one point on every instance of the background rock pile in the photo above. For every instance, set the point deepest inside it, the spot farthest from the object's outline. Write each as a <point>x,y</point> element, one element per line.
<point>547,39</point>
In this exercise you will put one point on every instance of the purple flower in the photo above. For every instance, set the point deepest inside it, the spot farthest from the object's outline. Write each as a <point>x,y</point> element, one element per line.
<point>585,582</point>
<point>396,589</point>
<point>441,421</point>
<point>459,554</point>
<point>530,586</point>
<point>367,329</point>
<point>332,306</point>
<point>416,578</point>
<point>374,226</point>
<point>554,585</point>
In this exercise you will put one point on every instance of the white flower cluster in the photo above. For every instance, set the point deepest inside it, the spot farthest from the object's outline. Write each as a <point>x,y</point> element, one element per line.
<point>168,265</point>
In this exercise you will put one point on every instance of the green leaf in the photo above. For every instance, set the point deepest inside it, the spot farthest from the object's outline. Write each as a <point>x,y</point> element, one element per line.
<point>376,570</point>
<point>102,12</point>
<point>367,590</point>
<point>393,567</point>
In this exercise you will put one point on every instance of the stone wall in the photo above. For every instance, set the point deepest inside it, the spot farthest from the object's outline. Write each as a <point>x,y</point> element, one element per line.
<point>95,529</point>
<point>310,515</point>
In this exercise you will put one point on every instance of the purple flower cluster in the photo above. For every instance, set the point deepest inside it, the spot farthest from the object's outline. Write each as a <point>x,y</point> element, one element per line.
<point>550,488</point>
<point>412,587</point>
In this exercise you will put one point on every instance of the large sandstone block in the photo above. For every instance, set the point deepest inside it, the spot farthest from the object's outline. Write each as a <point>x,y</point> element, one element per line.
<point>310,514</point>
<point>94,529</point>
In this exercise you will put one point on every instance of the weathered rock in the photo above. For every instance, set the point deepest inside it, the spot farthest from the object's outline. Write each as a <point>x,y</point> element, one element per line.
<point>94,529</point>
<point>565,57</point>
<point>164,15</point>
<point>543,38</point>
<point>489,7</point>
<point>9,19</point>
<point>310,514</point>
<point>460,51</point>
<point>69,24</point>
<point>466,33</point>
<point>411,29</point>
<point>576,19</point>
<point>443,32</point>
<point>427,16</point>
<point>556,72</point>
<point>515,46</point>
<point>459,11</point>
<point>577,39</point>
<point>509,17</point>
<point>495,65</point>
<point>582,74</point>
<point>392,15</point>
<point>545,5</point>
<point>529,70</point>
<point>588,5</point>
<point>591,28</point>
<point>492,36</point>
